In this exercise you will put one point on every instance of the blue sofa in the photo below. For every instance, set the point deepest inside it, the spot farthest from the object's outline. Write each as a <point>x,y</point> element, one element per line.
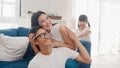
<point>22,31</point>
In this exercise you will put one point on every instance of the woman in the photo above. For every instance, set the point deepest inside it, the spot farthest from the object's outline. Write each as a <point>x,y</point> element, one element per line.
<point>58,32</point>
<point>50,57</point>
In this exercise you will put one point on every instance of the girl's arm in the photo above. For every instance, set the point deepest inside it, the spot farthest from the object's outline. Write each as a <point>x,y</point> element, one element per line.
<point>66,38</point>
<point>33,45</point>
<point>84,33</point>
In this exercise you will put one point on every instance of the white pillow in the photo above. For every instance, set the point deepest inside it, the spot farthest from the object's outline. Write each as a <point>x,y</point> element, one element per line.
<point>12,48</point>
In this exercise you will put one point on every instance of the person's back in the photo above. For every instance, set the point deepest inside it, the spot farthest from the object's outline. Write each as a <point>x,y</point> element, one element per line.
<point>55,33</point>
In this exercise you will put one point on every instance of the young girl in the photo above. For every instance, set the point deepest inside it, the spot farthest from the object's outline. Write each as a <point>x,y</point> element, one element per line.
<point>83,31</point>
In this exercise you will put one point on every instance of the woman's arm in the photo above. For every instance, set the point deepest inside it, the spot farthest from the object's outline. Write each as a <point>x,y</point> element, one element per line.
<point>33,45</point>
<point>66,38</point>
<point>83,55</point>
<point>60,44</point>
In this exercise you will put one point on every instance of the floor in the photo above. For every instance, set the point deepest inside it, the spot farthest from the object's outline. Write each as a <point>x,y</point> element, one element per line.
<point>106,61</point>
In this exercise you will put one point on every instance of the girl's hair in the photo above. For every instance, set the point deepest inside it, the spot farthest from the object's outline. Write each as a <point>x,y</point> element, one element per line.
<point>84,19</point>
<point>34,18</point>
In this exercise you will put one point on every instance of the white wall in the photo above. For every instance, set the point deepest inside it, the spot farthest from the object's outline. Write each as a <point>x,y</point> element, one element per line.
<point>110,26</point>
<point>53,7</point>
<point>94,16</point>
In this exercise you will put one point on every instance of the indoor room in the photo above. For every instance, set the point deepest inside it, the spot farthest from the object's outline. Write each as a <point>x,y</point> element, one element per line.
<point>102,16</point>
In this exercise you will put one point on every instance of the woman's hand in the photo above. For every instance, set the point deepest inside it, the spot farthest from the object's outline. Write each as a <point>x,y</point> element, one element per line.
<point>31,39</point>
<point>33,45</point>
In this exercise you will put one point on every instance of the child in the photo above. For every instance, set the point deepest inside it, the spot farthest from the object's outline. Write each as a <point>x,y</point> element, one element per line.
<point>83,31</point>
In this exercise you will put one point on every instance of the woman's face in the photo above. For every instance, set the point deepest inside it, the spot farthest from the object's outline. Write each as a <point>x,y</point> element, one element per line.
<point>45,21</point>
<point>43,38</point>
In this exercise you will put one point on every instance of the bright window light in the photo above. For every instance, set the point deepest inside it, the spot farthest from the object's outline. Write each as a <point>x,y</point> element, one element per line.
<point>9,12</point>
<point>10,8</point>
<point>10,1</point>
<point>0,10</point>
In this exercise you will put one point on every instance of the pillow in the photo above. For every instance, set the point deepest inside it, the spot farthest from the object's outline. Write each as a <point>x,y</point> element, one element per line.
<point>12,48</point>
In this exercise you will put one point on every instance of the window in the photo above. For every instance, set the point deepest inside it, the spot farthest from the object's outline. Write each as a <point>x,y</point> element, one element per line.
<point>79,7</point>
<point>104,20</point>
<point>86,7</point>
<point>10,1</point>
<point>0,9</point>
<point>9,8</point>
<point>110,26</point>
<point>9,13</point>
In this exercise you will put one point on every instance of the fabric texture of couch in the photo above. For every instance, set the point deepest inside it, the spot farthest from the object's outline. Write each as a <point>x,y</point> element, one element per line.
<point>22,31</point>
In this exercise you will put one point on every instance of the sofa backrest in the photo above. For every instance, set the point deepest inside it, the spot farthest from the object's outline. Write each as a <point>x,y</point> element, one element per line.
<point>20,31</point>
<point>9,32</point>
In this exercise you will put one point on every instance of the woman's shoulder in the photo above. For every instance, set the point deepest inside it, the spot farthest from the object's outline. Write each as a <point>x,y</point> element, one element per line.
<point>62,27</point>
<point>55,27</point>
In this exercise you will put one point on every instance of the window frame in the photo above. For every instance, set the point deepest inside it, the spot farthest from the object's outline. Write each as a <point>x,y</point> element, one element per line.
<point>17,8</point>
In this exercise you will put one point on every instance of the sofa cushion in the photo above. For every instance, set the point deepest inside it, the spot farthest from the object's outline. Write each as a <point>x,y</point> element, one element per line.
<point>71,63</point>
<point>22,31</point>
<point>14,64</point>
<point>12,48</point>
<point>29,53</point>
<point>10,32</point>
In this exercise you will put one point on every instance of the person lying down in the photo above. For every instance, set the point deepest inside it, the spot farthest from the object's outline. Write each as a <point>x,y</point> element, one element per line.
<point>50,57</point>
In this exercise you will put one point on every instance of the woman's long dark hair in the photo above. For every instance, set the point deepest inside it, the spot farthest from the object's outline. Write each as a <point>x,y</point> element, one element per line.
<point>84,19</point>
<point>34,18</point>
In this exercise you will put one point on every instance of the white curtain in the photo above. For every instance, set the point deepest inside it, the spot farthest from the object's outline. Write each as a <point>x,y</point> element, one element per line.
<point>104,17</point>
<point>109,26</point>
<point>86,7</point>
